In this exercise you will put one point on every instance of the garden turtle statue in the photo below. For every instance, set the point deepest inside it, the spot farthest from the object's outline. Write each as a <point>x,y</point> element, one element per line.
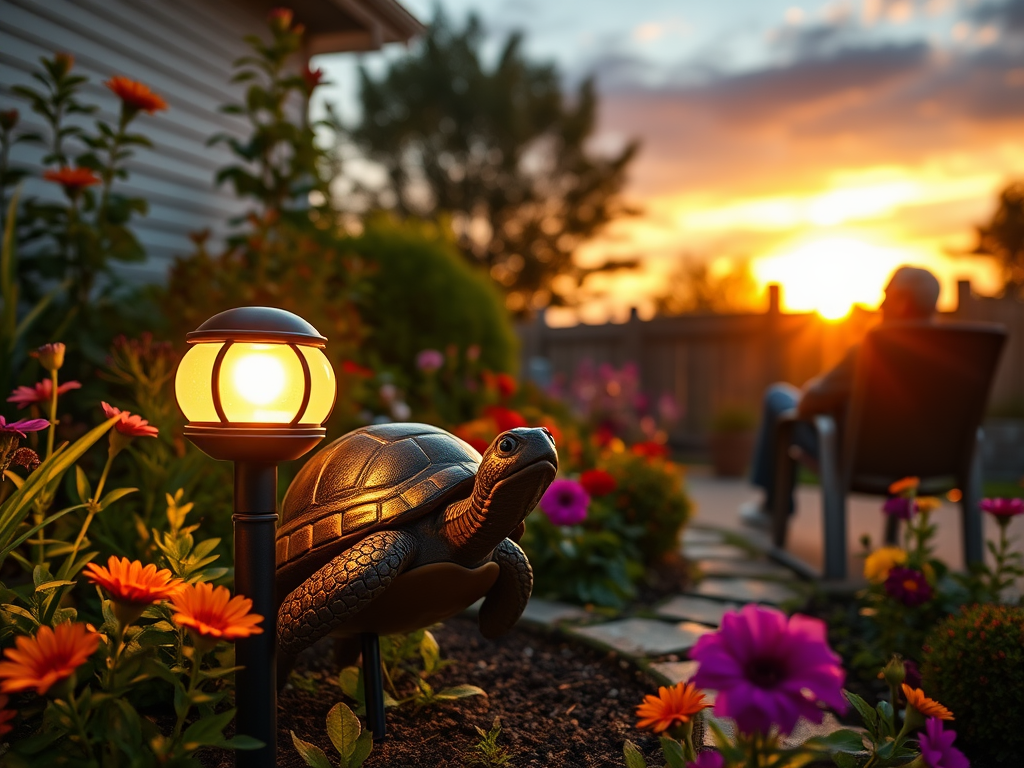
<point>394,527</point>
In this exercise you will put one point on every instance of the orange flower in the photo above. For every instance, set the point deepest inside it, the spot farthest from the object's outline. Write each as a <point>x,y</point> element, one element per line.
<point>136,96</point>
<point>5,716</point>
<point>928,503</point>
<point>927,707</point>
<point>53,654</point>
<point>210,614</point>
<point>906,484</point>
<point>74,180</point>
<point>672,706</point>
<point>130,425</point>
<point>132,586</point>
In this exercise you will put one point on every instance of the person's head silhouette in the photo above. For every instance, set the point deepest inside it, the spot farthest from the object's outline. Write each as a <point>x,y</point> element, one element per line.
<point>911,294</point>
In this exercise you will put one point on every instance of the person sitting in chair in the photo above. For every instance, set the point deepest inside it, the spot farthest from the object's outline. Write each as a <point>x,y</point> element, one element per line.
<point>911,294</point>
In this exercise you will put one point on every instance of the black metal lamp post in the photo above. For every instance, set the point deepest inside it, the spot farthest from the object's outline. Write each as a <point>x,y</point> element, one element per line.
<point>256,389</point>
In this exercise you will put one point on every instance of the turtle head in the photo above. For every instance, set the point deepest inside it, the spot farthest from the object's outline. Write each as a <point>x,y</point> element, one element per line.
<point>514,472</point>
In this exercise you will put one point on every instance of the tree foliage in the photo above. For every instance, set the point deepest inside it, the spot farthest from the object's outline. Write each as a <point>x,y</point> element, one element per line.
<point>1003,238</point>
<point>696,286</point>
<point>501,150</point>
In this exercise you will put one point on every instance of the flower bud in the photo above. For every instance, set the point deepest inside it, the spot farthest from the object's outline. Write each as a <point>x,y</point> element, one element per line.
<point>50,356</point>
<point>894,672</point>
<point>63,63</point>
<point>8,119</point>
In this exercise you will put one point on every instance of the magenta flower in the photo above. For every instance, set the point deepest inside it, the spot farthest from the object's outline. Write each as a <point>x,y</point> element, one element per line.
<point>429,360</point>
<point>937,748</point>
<point>769,670</point>
<point>565,502</point>
<point>908,586</point>
<point>39,393</point>
<point>1003,507</point>
<point>899,506</point>
<point>708,760</point>
<point>20,428</point>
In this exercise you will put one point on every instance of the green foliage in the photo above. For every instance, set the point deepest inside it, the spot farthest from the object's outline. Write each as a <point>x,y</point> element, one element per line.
<point>421,295</point>
<point>346,734</point>
<point>486,752</point>
<point>500,149</point>
<point>974,664</point>
<point>1003,237</point>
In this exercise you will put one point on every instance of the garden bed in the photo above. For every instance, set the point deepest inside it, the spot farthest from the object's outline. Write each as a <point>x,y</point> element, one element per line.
<point>559,703</point>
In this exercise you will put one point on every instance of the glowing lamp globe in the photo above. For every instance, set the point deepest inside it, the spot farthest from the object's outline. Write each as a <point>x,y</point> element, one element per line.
<point>255,385</point>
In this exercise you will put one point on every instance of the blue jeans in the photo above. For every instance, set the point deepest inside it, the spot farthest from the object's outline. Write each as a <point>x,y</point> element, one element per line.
<point>778,399</point>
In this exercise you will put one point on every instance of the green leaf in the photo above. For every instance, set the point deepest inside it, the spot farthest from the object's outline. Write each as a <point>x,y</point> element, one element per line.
<point>310,753</point>
<point>673,752</point>
<point>866,711</point>
<point>634,758</point>
<point>459,692</point>
<point>207,730</point>
<point>430,652</point>
<point>351,683</point>
<point>845,760</point>
<point>843,740</point>
<point>114,495</point>
<point>364,745</point>
<point>343,729</point>
<point>82,485</point>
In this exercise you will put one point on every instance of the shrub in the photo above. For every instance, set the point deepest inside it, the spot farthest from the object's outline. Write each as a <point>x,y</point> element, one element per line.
<point>974,664</point>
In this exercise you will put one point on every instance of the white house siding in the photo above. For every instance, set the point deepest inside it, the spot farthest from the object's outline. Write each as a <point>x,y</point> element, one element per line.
<point>183,50</point>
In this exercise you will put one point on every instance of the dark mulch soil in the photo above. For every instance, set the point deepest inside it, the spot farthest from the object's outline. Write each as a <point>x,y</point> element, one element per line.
<point>560,703</point>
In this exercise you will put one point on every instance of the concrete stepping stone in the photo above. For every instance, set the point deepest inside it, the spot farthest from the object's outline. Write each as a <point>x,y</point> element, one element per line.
<point>644,637</point>
<point>701,537</point>
<point>755,569</point>
<point>746,591</point>
<point>699,609</point>
<point>549,612</point>
<point>714,552</point>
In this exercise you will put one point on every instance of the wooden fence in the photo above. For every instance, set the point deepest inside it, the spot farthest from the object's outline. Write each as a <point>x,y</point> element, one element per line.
<point>708,362</point>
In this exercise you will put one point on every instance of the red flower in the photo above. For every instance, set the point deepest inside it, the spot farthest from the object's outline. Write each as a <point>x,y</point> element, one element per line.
<point>131,425</point>
<point>506,385</point>
<point>39,393</point>
<point>74,180</point>
<point>353,368</point>
<point>651,450</point>
<point>504,418</point>
<point>597,482</point>
<point>313,77</point>
<point>135,96</point>
<point>280,18</point>
<point>603,436</point>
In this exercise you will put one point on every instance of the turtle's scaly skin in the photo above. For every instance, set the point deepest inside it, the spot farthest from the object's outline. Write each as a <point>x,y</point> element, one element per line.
<point>513,587</point>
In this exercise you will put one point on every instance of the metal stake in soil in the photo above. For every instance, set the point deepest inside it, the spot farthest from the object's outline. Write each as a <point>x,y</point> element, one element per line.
<point>373,686</point>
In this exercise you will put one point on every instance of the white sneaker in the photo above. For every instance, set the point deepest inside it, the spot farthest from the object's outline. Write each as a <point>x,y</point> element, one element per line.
<point>753,515</point>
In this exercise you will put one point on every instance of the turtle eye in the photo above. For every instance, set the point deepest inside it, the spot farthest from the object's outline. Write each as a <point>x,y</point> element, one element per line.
<point>506,444</point>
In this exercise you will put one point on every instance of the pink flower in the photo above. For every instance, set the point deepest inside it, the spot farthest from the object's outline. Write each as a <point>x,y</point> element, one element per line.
<point>565,502</point>
<point>39,393</point>
<point>20,428</point>
<point>908,586</point>
<point>769,670</point>
<point>131,425</point>
<point>429,360</point>
<point>900,507</point>
<point>937,748</point>
<point>1003,507</point>
<point>708,760</point>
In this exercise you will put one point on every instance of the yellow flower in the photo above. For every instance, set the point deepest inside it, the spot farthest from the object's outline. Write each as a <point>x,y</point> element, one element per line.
<point>928,503</point>
<point>878,564</point>
<point>672,706</point>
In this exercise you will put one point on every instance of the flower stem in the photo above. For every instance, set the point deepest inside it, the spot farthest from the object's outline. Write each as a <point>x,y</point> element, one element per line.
<point>93,506</point>
<point>53,413</point>
<point>193,686</point>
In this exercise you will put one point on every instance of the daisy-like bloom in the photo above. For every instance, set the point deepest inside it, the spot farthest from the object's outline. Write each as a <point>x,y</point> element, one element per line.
<point>6,715</point>
<point>879,563</point>
<point>928,707</point>
<point>131,586</point>
<point>130,424</point>
<point>597,482</point>
<point>1003,507</point>
<point>50,356</point>
<point>36,663</point>
<point>429,360</point>
<point>769,670</point>
<point>20,428</point>
<point>41,392</point>
<point>672,706</point>
<point>565,502</point>
<point>135,96</point>
<point>905,484</point>
<point>210,615</point>
<point>908,586</point>
<point>937,748</point>
<point>74,180</point>
<point>928,503</point>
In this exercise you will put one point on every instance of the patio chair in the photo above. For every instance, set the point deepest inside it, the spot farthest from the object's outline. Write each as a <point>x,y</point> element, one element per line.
<point>919,394</point>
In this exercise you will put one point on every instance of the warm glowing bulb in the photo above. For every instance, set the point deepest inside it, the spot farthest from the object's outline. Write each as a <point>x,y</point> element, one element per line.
<point>259,378</point>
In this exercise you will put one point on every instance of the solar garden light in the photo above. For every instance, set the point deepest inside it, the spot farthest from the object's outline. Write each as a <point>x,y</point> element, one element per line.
<point>256,389</point>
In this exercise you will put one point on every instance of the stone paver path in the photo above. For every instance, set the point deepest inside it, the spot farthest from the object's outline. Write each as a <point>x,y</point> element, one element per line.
<point>699,609</point>
<point>644,637</point>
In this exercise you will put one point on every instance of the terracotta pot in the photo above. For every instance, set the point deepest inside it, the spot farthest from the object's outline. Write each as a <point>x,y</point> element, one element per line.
<point>731,453</point>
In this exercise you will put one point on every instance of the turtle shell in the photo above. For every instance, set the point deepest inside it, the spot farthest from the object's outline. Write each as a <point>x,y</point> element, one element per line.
<point>378,477</point>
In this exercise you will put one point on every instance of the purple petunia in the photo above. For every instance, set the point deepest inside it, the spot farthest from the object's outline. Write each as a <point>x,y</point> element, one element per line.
<point>769,670</point>
<point>1003,507</point>
<point>429,360</point>
<point>908,586</point>
<point>565,502</point>
<point>899,506</point>
<point>22,427</point>
<point>937,748</point>
<point>708,759</point>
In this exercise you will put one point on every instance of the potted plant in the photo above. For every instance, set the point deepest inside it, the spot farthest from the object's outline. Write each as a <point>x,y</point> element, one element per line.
<point>732,440</point>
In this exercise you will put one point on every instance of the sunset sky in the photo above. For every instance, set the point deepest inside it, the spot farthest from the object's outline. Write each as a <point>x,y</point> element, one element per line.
<point>826,142</point>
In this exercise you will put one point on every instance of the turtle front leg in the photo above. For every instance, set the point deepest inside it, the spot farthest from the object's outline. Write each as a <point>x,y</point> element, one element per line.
<point>341,589</point>
<point>507,599</point>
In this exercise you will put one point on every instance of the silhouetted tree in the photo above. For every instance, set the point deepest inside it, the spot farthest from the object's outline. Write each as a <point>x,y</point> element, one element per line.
<point>1003,238</point>
<point>695,287</point>
<point>499,149</point>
